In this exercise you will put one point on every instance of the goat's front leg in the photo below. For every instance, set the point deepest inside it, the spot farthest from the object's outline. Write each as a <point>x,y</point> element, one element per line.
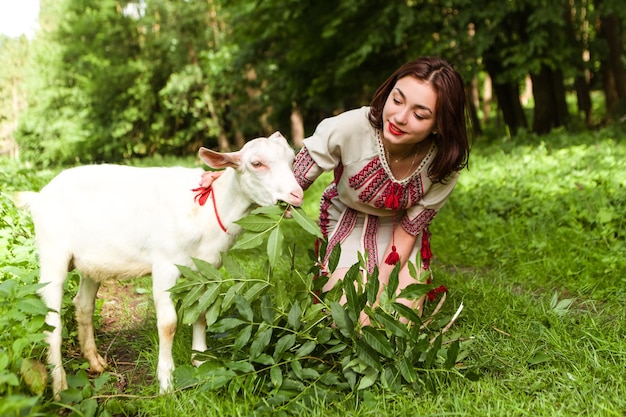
<point>164,276</point>
<point>84,303</point>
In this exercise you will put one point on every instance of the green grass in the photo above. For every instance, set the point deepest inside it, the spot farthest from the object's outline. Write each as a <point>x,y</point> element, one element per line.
<point>532,242</point>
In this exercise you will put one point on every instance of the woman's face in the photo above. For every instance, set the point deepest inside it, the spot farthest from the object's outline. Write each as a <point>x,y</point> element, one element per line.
<point>409,112</point>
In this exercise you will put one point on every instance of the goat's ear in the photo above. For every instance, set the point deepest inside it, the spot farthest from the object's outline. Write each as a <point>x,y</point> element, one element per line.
<point>219,160</point>
<point>277,136</point>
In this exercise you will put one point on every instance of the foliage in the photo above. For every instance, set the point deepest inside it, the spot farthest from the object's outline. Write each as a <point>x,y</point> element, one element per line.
<point>22,313</point>
<point>295,352</point>
<point>117,82</point>
<point>110,80</point>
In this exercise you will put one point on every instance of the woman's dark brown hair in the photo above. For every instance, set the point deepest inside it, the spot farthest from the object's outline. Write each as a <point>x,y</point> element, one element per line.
<point>450,122</point>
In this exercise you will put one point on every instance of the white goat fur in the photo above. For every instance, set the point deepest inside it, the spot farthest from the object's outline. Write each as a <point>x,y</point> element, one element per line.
<point>111,221</point>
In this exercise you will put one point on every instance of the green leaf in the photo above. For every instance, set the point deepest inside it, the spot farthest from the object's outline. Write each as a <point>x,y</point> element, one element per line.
<point>276,376</point>
<point>35,375</point>
<point>406,369</point>
<point>190,274</point>
<point>349,289</point>
<point>333,259</point>
<point>367,354</point>
<point>31,305</point>
<point>407,312</point>
<point>244,308</point>
<point>391,324</point>
<point>249,240</point>
<point>342,319</point>
<point>242,338</point>
<point>232,267</point>
<point>260,341</point>
<point>192,296</point>
<point>256,223</point>
<point>209,296</point>
<point>213,313</point>
<point>378,341</point>
<point>306,348</point>
<point>415,291</point>
<point>241,366</point>
<point>308,225</point>
<point>229,297</point>
<point>452,354</point>
<point>264,359</point>
<point>207,270</point>
<point>253,292</point>
<point>275,246</point>
<point>431,356</point>
<point>372,286</point>
<point>368,380</point>
<point>217,379</point>
<point>267,309</point>
<point>392,285</point>
<point>225,324</point>
<point>337,348</point>
<point>283,344</point>
<point>412,270</point>
<point>294,316</point>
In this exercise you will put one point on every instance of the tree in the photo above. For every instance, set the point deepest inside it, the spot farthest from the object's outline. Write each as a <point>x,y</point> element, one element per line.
<point>13,54</point>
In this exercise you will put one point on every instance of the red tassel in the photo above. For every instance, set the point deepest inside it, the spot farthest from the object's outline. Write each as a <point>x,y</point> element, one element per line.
<point>202,194</point>
<point>392,201</point>
<point>393,257</point>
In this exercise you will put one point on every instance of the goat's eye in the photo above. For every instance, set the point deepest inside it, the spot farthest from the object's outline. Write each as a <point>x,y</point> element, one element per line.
<point>256,164</point>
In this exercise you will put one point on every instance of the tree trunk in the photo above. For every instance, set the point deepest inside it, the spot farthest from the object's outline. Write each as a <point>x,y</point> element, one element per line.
<point>507,96</point>
<point>297,127</point>
<point>578,38</point>
<point>613,73</point>
<point>550,105</point>
<point>471,91</point>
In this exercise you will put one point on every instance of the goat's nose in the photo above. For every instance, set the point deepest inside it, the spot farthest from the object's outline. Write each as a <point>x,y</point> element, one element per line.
<point>296,198</point>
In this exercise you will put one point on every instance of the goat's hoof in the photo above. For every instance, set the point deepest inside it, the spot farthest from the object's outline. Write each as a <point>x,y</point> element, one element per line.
<point>97,365</point>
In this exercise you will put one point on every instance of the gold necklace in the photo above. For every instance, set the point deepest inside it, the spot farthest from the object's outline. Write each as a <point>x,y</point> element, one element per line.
<point>396,160</point>
<point>400,159</point>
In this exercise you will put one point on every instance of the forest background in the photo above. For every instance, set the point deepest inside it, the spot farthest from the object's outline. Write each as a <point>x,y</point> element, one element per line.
<point>107,80</point>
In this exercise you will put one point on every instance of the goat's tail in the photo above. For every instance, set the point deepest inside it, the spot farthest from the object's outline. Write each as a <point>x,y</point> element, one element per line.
<point>24,199</point>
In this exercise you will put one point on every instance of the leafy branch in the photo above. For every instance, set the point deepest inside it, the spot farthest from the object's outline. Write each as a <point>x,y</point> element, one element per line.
<point>310,347</point>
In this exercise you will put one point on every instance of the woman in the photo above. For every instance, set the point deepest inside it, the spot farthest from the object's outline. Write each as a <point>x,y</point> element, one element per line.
<point>395,163</point>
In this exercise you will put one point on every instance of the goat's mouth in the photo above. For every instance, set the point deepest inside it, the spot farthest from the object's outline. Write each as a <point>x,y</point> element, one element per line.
<point>293,199</point>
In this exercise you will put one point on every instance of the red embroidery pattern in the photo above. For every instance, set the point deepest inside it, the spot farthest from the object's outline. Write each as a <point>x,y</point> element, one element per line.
<point>377,186</point>
<point>370,243</point>
<point>329,193</point>
<point>327,196</point>
<point>419,223</point>
<point>301,166</point>
<point>345,226</point>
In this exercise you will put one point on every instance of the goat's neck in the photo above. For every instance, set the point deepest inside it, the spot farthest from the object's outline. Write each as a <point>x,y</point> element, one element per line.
<point>231,201</point>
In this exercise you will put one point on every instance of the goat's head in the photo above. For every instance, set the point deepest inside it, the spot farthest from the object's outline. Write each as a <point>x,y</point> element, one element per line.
<point>264,166</point>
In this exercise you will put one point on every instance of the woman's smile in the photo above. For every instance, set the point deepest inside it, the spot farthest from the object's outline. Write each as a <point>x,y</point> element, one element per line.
<point>394,130</point>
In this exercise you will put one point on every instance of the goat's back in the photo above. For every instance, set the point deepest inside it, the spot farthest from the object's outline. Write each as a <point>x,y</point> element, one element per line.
<point>117,220</point>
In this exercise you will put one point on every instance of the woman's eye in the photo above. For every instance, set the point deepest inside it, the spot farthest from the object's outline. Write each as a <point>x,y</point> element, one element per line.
<point>419,116</point>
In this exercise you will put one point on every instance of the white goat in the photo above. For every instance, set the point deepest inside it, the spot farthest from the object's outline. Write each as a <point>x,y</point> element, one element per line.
<point>111,221</point>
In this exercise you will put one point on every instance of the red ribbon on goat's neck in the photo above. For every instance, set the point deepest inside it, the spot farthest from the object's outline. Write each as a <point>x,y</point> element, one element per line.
<point>392,201</point>
<point>205,190</point>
